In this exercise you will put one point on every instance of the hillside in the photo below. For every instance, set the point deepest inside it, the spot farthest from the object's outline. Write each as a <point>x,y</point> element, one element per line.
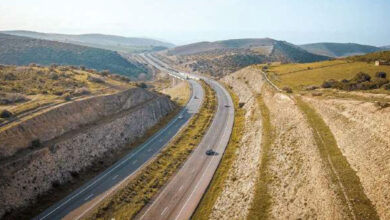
<point>339,49</point>
<point>223,57</point>
<point>15,50</point>
<point>109,42</point>
<point>372,57</point>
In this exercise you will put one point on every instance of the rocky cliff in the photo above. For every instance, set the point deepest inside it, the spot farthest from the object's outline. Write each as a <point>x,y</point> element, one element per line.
<point>73,136</point>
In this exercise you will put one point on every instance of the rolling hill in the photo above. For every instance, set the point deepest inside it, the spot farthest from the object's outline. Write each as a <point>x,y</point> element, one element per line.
<point>339,49</point>
<point>15,50</point>
<point>223,57</point>
<point>109,42</point>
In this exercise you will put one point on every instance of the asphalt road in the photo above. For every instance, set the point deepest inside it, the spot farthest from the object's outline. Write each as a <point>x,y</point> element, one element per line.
<point>180,197</point>
<point>86,197</point>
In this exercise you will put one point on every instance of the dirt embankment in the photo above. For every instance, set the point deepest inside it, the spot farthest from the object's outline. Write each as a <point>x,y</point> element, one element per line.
<point>73,137</point>
<point>362,132</point>
<point>238,190</point>
<point>300,186</point>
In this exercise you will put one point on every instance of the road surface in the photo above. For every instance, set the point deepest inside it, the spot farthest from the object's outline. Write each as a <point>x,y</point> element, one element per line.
<point>180,197</point>
<point>86,197</point>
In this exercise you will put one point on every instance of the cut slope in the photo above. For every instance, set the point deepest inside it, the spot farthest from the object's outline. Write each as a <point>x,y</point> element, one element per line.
<point>110,42</point>
<point>15,50</point>
<point>339,49</point>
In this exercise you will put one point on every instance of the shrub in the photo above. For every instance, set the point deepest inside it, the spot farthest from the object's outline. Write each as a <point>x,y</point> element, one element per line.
<point>241,104</point>
<point>36,143</point>
<point>81,91</point>
<point>5,114</point>
<point>67,98</point>
<point>361,77</point>
<point>56,184</point>
<point>10,98</point>
<point>53,76</point>
<point>105,73</point>
<point>329,84</point>
<point>287,89</point>
<point>380,75</point>
<point>142,85</point>
<point>382,105</point>
<point>386,86</point>
<point>95,79</point>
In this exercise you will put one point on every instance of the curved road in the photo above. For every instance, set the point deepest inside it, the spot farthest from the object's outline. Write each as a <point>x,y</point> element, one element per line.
<point>89,195</point>
<point>180,197</point>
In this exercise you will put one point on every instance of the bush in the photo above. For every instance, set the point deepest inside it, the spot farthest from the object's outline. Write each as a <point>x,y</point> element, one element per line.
<point>386,86</point>
<point>95,79</point>
<point>10,98</point>
<point>81,91</point>
<point>380,75</point>
<point>329,84</point>
<point>56,184</point>
<point>382,105</point>
<point>241,104</point>
<point>5,114</point>
<point>142,85</point>
<point>287,89</point>
<point>67,98</point>
<point>361,77</point>
<point>36,143</point>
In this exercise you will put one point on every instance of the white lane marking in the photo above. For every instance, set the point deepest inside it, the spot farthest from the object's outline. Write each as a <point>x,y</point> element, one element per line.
<point>88,197</point>
<point>115,177</point>
<point>108,172</point>
<point>181,187</point>
<point>135,161</point>
<point>162,213</point>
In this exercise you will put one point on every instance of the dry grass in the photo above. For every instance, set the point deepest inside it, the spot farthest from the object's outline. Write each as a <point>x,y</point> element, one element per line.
<point>179,93</point>
<point>347,183</point>
<point>51,85</point>
<point>297,76</point>
<point>262,200</point>
<point>216,186</point>
<point>129,200</point>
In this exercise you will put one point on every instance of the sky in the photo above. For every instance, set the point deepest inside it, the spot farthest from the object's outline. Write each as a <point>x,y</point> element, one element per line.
<point>183,21</point>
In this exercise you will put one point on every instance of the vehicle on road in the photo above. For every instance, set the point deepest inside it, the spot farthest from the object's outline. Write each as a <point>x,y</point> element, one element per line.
<point>181,117</point>
<point>227,106</point>
<point>210,152</point>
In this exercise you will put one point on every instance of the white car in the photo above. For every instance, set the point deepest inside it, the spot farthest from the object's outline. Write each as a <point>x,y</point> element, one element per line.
<point>181,117</point>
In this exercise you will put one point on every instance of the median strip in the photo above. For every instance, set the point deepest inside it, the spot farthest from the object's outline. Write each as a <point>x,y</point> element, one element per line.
<point>216,186</point>
<point>131,198</point>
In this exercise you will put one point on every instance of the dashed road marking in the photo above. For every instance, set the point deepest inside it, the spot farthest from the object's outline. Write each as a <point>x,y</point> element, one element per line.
<point>162,213</point>
<point>116,176</point>
<point>88,197</point>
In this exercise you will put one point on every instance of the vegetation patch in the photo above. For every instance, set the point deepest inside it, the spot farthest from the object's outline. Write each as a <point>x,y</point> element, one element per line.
<point>361,81</point>
<point>344,178</point>
<point>217,184</point>
<point>305,75</point>
<point>132,197</point>
<point>261,203</point>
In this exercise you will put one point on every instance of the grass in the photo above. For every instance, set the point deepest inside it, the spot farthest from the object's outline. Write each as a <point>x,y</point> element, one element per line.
<point>262,200</point>
<point>132,197</point>
<point>215,188</point>
<point>297,76</point>
<point>348,186</point>
<point>45,85</point>
<point>179,93</point>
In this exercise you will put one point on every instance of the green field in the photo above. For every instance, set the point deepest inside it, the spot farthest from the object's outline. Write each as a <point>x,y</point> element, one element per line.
<point>297,76</point>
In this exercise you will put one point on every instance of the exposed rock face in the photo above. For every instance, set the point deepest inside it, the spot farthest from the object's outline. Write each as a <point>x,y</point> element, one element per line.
<point>76,135</point>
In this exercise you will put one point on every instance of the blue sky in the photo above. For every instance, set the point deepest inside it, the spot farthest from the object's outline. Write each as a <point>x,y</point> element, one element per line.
<point>182,21</point>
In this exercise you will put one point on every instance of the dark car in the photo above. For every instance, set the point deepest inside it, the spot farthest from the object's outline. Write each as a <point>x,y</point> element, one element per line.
<point>211,152</point>
<point>227,106</point>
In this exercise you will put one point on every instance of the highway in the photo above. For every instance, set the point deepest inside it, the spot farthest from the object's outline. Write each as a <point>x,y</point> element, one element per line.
<point>180,197</point>
<point>75,205</point>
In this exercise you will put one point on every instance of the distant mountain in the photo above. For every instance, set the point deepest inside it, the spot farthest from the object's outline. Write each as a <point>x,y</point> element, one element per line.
<point>223,57</point>
<point>339,49</point>
<point>386,47</point>
<point>109,42</point>
<point>15,50</point>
